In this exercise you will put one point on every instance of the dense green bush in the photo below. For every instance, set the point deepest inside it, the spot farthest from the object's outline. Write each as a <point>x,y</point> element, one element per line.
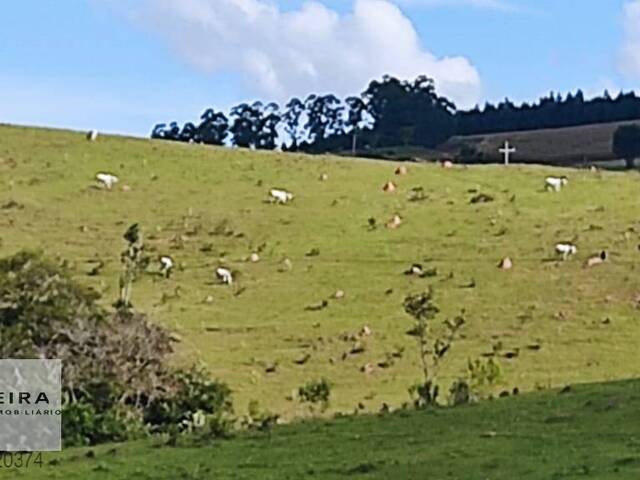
<point>315,392</point>
<point>83,424</point>
<point>191,395</point>
<point>37,299</point>
<point>116,382</point>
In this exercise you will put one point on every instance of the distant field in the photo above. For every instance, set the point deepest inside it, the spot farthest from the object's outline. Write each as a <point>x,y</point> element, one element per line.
<point>560,146</point>
<point>592,431</point>
<point>206,206</point>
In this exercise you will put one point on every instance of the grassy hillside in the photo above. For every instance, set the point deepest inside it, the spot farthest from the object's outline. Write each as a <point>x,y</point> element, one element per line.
<point>590,431</point>
<point>558,146</point>
<point>206,206</point>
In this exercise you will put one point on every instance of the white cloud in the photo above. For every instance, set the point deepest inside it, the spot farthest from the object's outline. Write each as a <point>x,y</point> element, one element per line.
<point>630,58</point>
<point>309,49</point>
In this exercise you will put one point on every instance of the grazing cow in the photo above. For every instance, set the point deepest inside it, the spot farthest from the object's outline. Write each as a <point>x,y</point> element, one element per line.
<point>566,250</point>
<point>224,275</point>
<point>92,135</point>
<point>395,222</point>
<point>389,187</point>
<point>597,259</point>
<point>280,196</point>
<point>166,265</point>
<point>365,331</point>
<point>447,164</point>
<point>107,179</point>
<point>416,269</point>
<point>401,170</point>
<point>505,264</point>
<point>555,183</point>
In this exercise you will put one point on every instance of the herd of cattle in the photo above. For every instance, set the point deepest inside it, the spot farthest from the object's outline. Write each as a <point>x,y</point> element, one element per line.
<point>281,197</point>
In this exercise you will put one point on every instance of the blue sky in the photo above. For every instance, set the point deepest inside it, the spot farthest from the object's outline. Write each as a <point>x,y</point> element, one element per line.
<point>123,65</point>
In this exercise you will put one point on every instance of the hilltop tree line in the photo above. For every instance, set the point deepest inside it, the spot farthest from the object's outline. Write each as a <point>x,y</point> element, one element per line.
<point>390,112</point>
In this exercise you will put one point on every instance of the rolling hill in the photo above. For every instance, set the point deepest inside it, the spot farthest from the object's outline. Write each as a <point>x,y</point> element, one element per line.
<point>582,145</point>
<point>548,322</point>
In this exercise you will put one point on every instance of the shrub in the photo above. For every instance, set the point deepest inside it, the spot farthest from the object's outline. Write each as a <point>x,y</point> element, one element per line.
<point>459,393</point>
<point>83,424</point>
<point>116,381</point>
<point>37,299</point>
<point>483,374</point>
<point>316,392</point>
<point>258,419</point>
<point>190,394</point>
<point>121,359</point>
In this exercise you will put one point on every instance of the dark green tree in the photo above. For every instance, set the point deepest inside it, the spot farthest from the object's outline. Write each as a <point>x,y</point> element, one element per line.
<point>355,119</point>
<point>246,124</point>
<point>409,110</point>
<point>626,143</point>
<point>291,118</point>
<point>324,117</point>
<point>268,122</point>
<point>213,128</point>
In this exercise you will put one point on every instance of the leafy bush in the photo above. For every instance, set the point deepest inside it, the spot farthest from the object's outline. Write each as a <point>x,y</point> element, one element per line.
<point>116,380</point>
<point>37,299</point>
<point>190,395</point>
<point>83,425</point>
<point>459,393</point>
<point>424,394</point>
<point>316,392</point>
<point>483,374</point>
<point>258,419</point>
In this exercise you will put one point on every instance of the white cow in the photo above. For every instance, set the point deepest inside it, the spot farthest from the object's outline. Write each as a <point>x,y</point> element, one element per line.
<point>224,275</point>
<point>107,179</point>
<point>555,183</point>
<point>280,196</point>
<point>566,250</point>
<point>166,265</point>
<point>92,135</point>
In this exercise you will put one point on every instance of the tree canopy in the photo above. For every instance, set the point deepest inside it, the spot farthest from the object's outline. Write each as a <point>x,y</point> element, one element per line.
<point>626,143</point>
<point>389,113</point>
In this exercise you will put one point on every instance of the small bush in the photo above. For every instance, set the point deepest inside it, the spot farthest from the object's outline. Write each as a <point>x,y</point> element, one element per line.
<point>483,374</point>
<point>316,392</point>
<point>459,393</point>
<point>191,394</point>
<point>258,419</point>
<point>424,394</point>
<point>83,425</point>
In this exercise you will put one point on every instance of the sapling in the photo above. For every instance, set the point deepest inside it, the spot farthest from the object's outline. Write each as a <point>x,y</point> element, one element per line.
<point>133,262</point>
<point>431,348</point>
